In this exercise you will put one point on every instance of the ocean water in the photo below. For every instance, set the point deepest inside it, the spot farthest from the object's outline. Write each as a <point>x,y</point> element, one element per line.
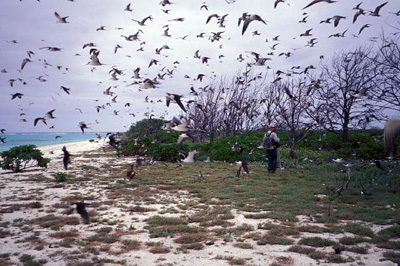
<point>43,139</point>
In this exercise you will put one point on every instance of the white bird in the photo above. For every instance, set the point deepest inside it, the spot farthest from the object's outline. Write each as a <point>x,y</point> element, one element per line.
<point>60,19</point>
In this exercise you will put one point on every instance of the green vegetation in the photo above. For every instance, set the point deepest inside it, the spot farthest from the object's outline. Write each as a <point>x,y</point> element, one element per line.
<point>22,157</point>
<point>60,176</point>
<point>363,144</point>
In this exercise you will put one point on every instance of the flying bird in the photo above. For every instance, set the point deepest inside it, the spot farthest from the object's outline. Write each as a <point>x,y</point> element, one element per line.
<point>318,1</point>
<point>175,97</point>
<point>375,13</point>
<point>60,19</point>
<point>39,119</point>
<point>82,126</point>
<point>49,114</point>
<point>246,18</point>
<point>16,95</point>
<point>24,62</point>
<point>80,208</point>
<point>65,89</point>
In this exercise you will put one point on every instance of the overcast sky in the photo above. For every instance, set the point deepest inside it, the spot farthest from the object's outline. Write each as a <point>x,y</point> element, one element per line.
<point>30,25</point>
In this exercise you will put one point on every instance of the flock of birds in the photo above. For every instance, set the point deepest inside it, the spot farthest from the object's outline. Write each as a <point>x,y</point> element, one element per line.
<point>245,21</point>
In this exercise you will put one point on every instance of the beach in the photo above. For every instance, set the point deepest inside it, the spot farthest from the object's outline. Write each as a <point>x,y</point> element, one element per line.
<point>144,221</point>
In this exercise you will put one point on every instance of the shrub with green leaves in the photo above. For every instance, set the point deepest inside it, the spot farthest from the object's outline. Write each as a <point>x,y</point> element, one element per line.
<point>22,157</point>
<point>60,176</point>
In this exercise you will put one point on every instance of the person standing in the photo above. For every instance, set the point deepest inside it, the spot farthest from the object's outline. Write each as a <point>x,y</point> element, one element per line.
<point>271,144</point>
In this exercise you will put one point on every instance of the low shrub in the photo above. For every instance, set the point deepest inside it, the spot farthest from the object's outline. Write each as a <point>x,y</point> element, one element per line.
<point>22,157</point>
<point>60,177</point>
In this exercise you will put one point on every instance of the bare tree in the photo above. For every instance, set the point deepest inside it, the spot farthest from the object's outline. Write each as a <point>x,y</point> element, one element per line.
<point>388,82</point>
<point>227,108</point>
<point>345,88</point>
<point>292,108</point>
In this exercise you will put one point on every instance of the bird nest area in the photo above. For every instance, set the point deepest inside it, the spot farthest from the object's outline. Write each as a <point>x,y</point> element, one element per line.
<point>166,215</point>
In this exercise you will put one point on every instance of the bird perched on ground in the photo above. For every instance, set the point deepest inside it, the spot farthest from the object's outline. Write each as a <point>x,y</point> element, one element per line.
<point>391,132</point>
<point>239,166</point>
<point>66,158</point>
<point>80,208</point>
<point>200,176</point>
<point>131,173</point>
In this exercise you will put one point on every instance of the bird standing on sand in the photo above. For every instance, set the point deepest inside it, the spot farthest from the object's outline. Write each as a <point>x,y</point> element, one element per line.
<point>131,173</point>
<point>67,158</point>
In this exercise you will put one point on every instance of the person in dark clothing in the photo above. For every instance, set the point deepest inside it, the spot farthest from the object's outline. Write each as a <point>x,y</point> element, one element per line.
<point>67,158</point>
<point>271,143</point>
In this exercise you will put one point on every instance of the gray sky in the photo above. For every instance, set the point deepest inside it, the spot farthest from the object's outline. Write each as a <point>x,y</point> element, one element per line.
<point>33,25</point>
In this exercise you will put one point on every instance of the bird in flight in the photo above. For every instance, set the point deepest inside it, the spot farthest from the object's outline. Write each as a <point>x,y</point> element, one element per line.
<point>318,1</point>
<point>80,208</point>
<point>247,18</point>
<point>60,19</point>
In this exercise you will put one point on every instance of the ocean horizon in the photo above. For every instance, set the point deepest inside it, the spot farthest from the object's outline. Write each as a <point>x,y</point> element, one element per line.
<point>14,139</point>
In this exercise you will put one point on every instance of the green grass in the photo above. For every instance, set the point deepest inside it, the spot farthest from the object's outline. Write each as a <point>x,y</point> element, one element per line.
<point>274,240</point>
<point>316,242</point>
<point>352,240</point>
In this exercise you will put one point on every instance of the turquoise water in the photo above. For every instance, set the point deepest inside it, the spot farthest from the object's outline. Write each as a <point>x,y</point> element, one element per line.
<point>43,139</point>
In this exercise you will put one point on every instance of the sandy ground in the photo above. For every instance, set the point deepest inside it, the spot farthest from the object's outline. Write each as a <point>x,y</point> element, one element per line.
<point>24,236</point>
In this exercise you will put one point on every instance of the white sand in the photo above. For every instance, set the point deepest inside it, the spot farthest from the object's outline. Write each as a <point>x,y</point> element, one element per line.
<point>77,148</point>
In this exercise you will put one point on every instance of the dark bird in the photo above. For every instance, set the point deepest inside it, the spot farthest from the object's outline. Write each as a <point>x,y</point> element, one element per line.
<point>143,21</point>
<point>66,158</point>
<point>16,95</point>
<point>51,49</point>
<point>176,98</point>
<point>80,208</point>
<point>277,2</point>
<point>318,1</point>
<point>336,20</point>
<point>2,140</point>
<point>2,130</point>
<point>377,9</point>
<point>128,8</point>
<point>39,119</point>
<point>65,89</point>
<point>239,166</point>
<point>24,62</point>
<point>391,132</point>
<point>246,18</point>
<point>83,125</point>
<point>289,94</point>
<point>131,173</point>
<point>364,27</point>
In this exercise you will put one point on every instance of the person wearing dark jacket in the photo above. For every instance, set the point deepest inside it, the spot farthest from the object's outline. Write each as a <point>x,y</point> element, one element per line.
<point>271,143</point>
